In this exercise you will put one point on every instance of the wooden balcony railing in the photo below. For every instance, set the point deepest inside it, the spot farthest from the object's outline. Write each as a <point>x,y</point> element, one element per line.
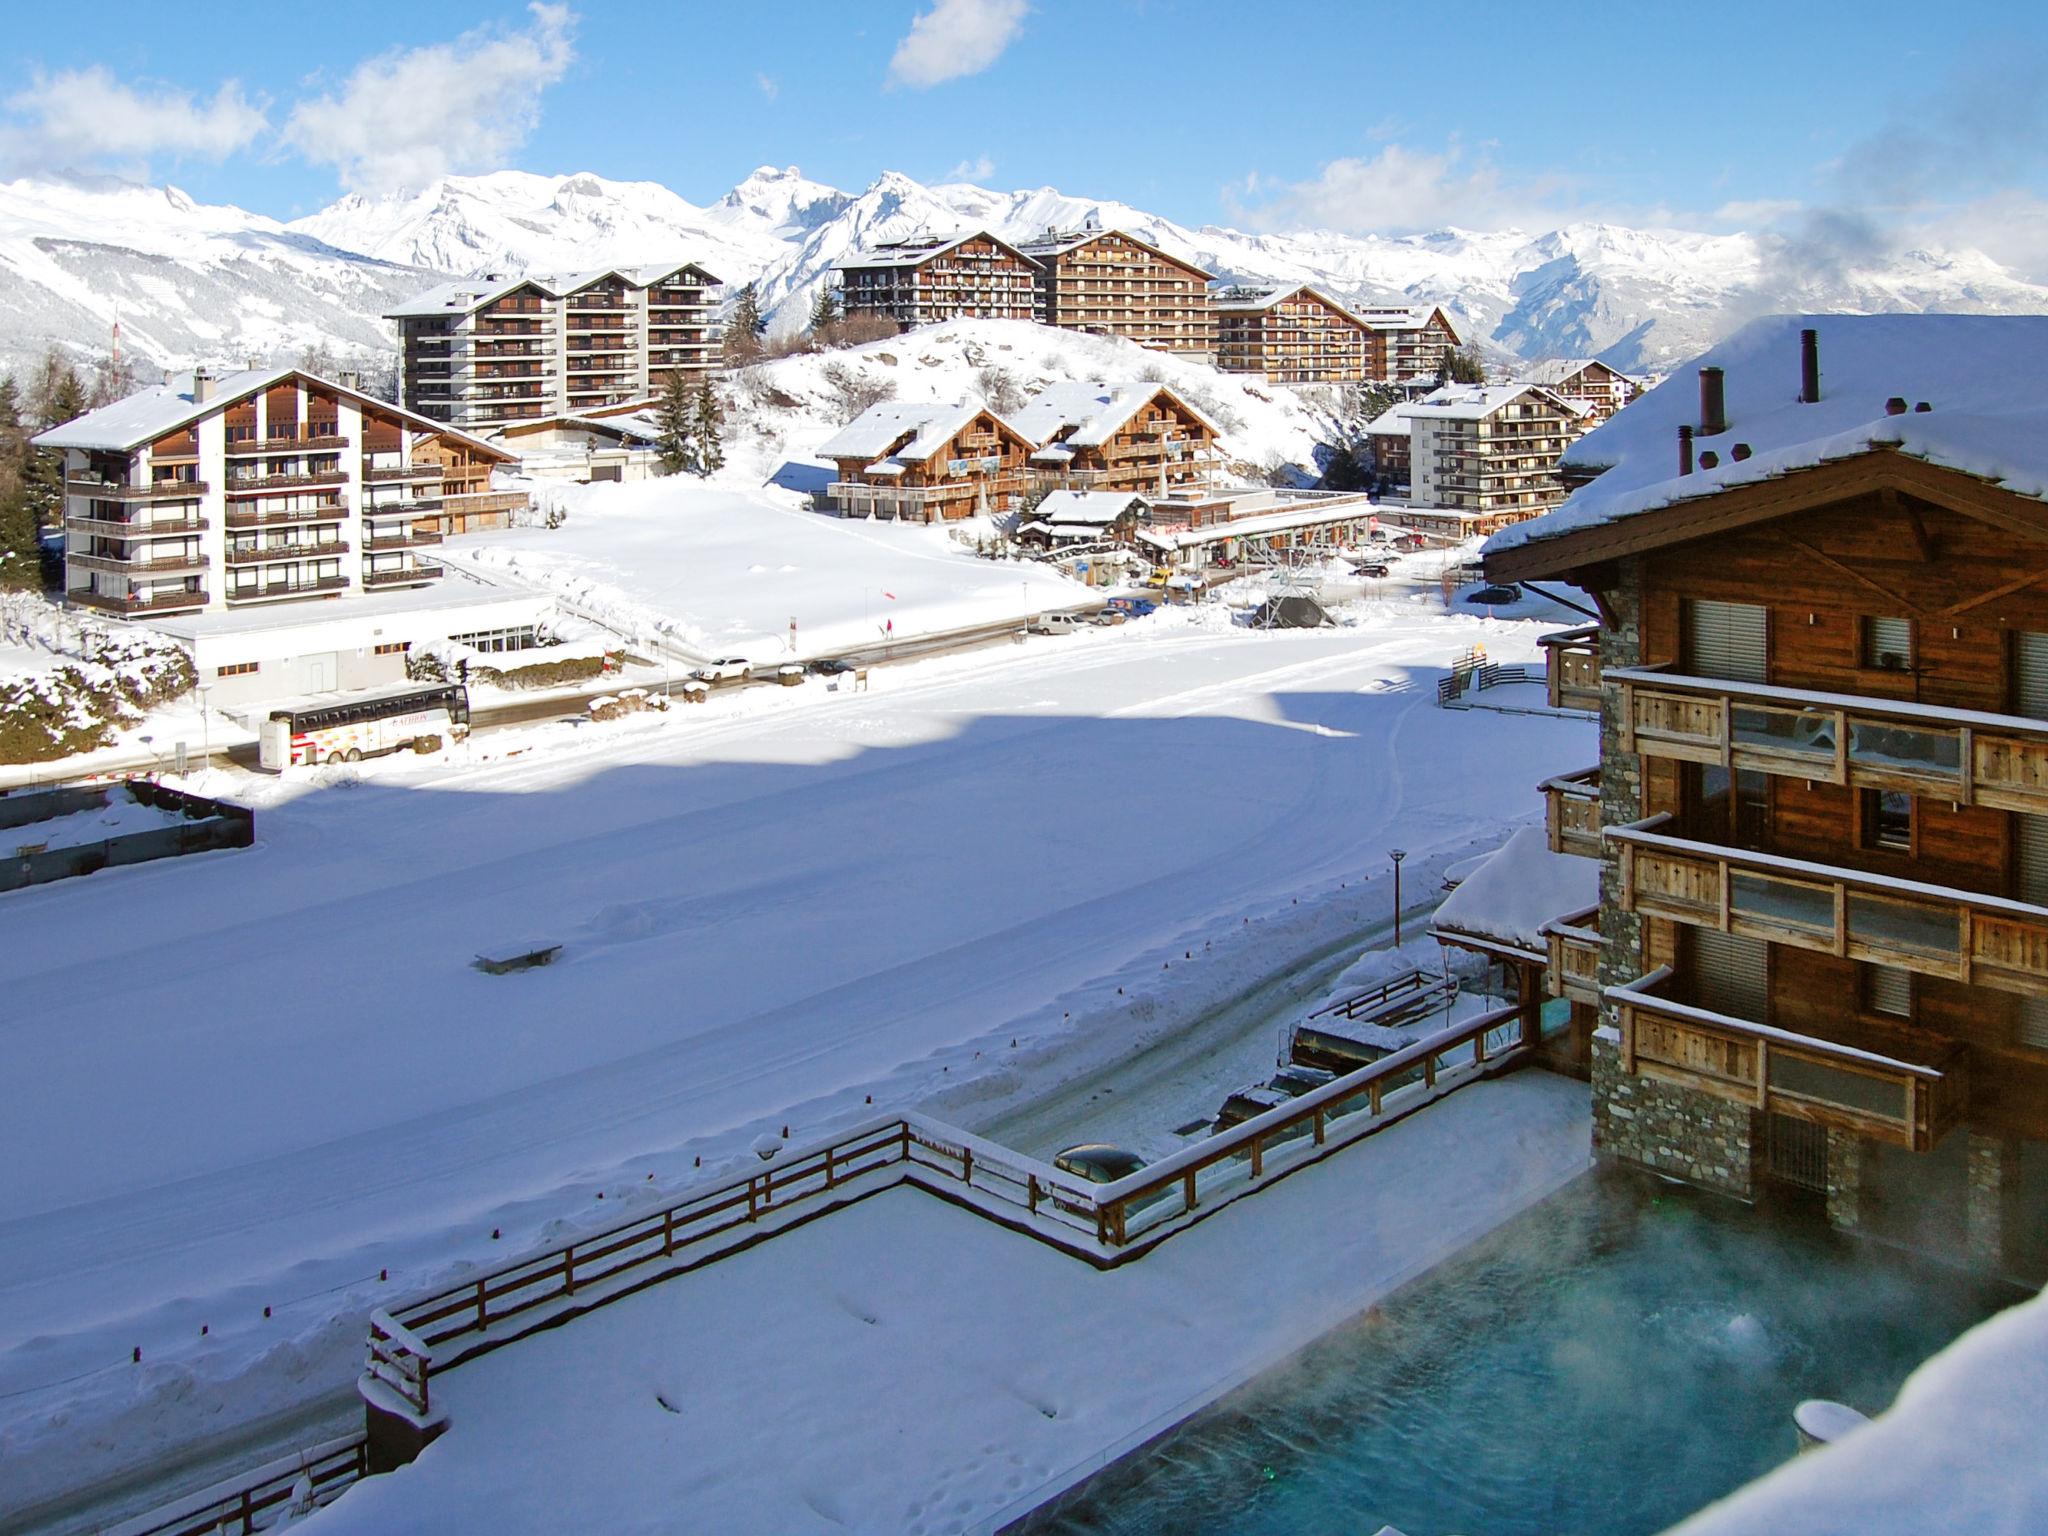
<point>1906,1103</point>
<point>285,517</point>
<point>154,602</point>
<point>1573,657</point>
<point>285,442</point>
<point>413,539</point>
<point>138,564</point>
<point>262,485</point>
<point>1933,930</point>
<point>402,575</point>
<point>120,528</point>
<point>114,490</point>
<point>406,472</point>
<point>286,589</point>
<point>1571,803</point>
<point>266,554</point>
<point>1574,969</point>
<point>1967,756</point>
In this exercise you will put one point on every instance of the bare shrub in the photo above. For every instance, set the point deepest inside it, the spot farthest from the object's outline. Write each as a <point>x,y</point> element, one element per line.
<point>999,387</point>
<point>852,390</point>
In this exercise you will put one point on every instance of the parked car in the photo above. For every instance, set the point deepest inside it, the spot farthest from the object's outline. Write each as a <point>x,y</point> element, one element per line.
<point>1375,569</point>
<point>1159,576</point>
<point>830,666</point>
<point>1133,607</point>
<point>1057,624</point>
<point>1098,1162</point>
<point>1495,595</point>
<point>724,669</point>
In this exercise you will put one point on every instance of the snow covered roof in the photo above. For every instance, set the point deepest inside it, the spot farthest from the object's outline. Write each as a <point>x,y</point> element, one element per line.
<point>471,293</point>
<point>1509,898</point>
<point>1557,370</point>
<point>1094,412</point>
<point>1241,298</point>
<point>1392,422</point>
<point>1408,317</point>
<point>637,426</point>
<point>1476,402</point>
<point>1985,378</point>
<point>1096,508</point>
<point>1057,242</point>
<point>916,252</point>
<point>126,425</point>
<point>927,424</point>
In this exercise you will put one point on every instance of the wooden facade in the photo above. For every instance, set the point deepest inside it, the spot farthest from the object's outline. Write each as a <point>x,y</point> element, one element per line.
<point>1110,283</point>
<point>922,282</point>
<point>1294,335</point>
<point>1826,708</point>
<point>1153,444</point>
<point>977,466</point>
<point>1587,382</point>
<point>1410,343</point>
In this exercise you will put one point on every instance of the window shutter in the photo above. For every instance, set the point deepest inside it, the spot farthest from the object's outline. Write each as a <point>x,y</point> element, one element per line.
<point>1727,640</point>
<point>2030,675</point>
<point>1890,991</point>
<point>1729,974</point>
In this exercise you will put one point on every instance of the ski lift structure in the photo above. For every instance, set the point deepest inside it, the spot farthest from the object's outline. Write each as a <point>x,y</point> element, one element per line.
<point>1294,593</point>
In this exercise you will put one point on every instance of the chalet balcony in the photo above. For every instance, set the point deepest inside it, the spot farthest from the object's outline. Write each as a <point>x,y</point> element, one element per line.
<point>416,538</point>
<point>1908,1102</point>
<point>139,564</point>
<point>276,589</point>
<point>405,472</point>
<point>1932,930</point>
<point>1574,968</point>
<point>1572,812</point>
<point>267,554</point>
<point>114,490</point>
<point>115,528</point>
<point>285,517</point>
<point>1967,756</point>
<point>402,575</point>
<point>486,502</point>
<point>1572,657</point>
<point>286,442</point>
<point>263,485</point>
<point>139,602</point>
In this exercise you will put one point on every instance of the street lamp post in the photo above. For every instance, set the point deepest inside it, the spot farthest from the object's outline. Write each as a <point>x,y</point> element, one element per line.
<point>1398,855</point>
<point>205,733</point>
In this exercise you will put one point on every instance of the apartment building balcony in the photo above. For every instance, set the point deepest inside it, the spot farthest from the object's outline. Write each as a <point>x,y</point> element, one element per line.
<point>405,472</point>
<point>138,564</point>
<point>413,538</point>
<point>286,442</point>
<point>402,575</point>
<point>271,591</point>
<point>114,490</point>
<point>119,528</point>
<point>1572,661</point>
<point>1573,970</point>
<point>1571,804</point>
<point>1931,930</point>
<point>591,303</point>
<point>264,485</point>
<point>1908,1096</point>
<point>284,517</point>
<point>266,554</point>
<point>136,602</point>
<point>1966,756</point>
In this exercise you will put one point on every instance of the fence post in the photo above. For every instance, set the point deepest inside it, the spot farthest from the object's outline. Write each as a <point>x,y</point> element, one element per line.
<point>668,1231</point>
<point>1429,1071</point>
<point>483,1320</point>
<point>1187,1189</point>
<point>569,1270</point>
<point>753,1192</point>
<point>829,1178</point>
<point>1372,1093</point>
<point>967,1166</point>
<point>1031,1193</point>
<point>1257,1155</point>
<point>1319,1127</point>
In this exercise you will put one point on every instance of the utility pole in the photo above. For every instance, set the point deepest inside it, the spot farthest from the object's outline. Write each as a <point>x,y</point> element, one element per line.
<point>1398,855</point>
<point>205,733</point>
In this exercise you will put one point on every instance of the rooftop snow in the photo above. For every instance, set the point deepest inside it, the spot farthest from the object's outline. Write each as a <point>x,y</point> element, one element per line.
<point>469,293</point>
<point>912,253</point>
<point>1524,885</point>
<point>1476,402</point>
<point>930,424</point>
<point>1985,376</point>
<point>1093,507</point>
<point>1557,370</point>
<point>1095,412</point>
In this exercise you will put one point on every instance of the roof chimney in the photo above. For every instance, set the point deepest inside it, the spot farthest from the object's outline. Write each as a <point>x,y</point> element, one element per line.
<point>202,385</point>
<point>1685,450</point>
<point>1896,406</point>
<point>1713,403</point>
<point>1809,366</point>
<point>350,378</point>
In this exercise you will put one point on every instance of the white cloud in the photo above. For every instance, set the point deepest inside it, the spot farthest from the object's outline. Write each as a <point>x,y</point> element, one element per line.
<point>409,115</point>
<point>85,117</point>
<point>1398,190</point>
<point>1756,212</point>
<point>768,86</point>
<point>981,168</point>
<point>955,38</point>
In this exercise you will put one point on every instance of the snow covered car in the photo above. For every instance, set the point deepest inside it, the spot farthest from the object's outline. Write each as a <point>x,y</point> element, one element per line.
<point>725,669</point>
<point>1098,1162</point>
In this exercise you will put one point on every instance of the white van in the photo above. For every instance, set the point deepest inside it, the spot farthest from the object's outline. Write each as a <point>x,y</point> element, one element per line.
<point>1057,624</point>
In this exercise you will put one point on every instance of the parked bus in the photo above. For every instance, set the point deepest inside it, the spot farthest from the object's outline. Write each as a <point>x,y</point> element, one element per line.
<point>350,729</point>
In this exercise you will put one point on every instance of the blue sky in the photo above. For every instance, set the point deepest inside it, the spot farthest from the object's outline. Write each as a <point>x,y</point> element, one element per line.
<point>1354,116</point>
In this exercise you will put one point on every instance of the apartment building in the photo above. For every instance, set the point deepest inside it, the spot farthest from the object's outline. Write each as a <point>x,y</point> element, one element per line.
<point>1411,341</point>
<point>1108,282</point>
<point>1490,449</point>
<point>930,462</point>
<point>1588,381</point>
<point>1293,335</point>
<point>1820,957</point>
<point>1117,437</point>
<point>212,495</point>
<point>486,352</point>
<point>933,278</point>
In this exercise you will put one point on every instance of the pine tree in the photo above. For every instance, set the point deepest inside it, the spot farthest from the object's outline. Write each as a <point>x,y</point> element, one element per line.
<point>745,328</point>
<point>710,454</point>
<point>825,310</point>
<point>674,422</point>
<point>1460,367</point>
<point>21,556</point>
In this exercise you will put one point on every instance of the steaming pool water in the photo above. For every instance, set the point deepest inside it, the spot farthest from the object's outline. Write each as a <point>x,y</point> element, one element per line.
<point>1609,1362</point>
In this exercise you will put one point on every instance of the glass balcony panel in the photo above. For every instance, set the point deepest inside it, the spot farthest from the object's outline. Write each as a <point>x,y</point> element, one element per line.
<point>1781,902</point>
<point>1905,749</point>
<point>1891,1098</point>
<point>1877,920</point>
<point>1783,732</point>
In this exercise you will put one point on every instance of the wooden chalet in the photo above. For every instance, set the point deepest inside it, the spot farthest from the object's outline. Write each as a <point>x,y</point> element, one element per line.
<point>933,278</point>
<point>1602,390</point>
<point>1108,282</point>
<point>1117,437</point>
<point>1293,335</point>
<point>1821,809</point>
<point>929,463</point>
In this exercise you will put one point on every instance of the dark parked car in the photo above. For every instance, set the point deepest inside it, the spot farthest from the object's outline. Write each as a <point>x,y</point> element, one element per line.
<point>1375,569</point>
<point>830,666</point>
<point>1098,1162</point>
<point>1495,595</point>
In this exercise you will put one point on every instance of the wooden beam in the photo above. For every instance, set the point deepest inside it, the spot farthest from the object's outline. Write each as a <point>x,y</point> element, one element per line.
<point>1855,575</point>
<point>2018,583</point>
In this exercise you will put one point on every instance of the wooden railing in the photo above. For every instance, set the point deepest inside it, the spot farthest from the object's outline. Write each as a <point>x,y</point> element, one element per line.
<point>265,554</point>
<point>1906,1103</point>
<point>1574,667</point>
<point>243,1505</point>
<point>400,575</point>
<point>115,528</point>
<point>1574,969</point>
<point>398,1361</point>
<point>113,490</point>
<point>157,602</point>
<point>257,485</point>
<point>1934,930</point>
<point>1966,756</point>
<point>1571,804</point>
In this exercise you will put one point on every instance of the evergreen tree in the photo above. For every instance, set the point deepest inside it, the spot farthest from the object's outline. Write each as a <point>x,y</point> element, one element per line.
<point>825,310</point>
<point>54,392</point>
<point>1461,367</point>
<point>710,455</point>
<point>21,557</point>
<point>674,422</point>
<point>10,404</point>
<point>745,328</point>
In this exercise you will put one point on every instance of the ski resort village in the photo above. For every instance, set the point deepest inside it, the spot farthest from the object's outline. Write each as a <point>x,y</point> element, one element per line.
<point>926,860</point>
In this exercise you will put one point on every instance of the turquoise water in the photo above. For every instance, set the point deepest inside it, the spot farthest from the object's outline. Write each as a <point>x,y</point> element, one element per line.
<point>1608,1363</point>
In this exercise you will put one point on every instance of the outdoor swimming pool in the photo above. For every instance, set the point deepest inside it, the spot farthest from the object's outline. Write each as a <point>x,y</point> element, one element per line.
<point>1608,1363</point>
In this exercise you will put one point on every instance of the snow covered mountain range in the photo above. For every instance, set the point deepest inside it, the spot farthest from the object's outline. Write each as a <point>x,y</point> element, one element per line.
<point>190,282</point>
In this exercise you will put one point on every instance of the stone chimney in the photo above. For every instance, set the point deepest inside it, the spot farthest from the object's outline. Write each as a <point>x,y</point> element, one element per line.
<point>203,383</point>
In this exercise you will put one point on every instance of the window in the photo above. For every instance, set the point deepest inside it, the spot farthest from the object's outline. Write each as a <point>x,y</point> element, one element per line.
<point>1888,820</point>
<point>1888,990</point>
<point>1888,644</point>
<point>394,650</point>
<point>239,669</point>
